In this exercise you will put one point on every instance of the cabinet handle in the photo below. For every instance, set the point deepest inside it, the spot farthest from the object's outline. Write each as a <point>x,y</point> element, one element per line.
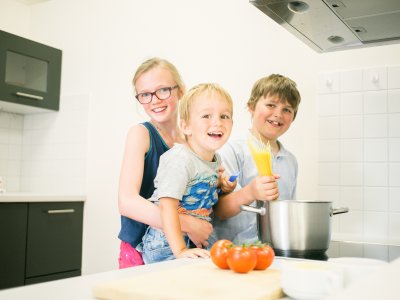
<point>29,96</point>
<point>61,211</point>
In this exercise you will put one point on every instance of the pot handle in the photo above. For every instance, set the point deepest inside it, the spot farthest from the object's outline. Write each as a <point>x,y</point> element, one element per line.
<point>342,210</point>
<point>256,210</point>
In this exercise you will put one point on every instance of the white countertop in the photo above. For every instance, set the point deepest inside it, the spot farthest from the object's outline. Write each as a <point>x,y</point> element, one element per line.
<point>40,197</point>
<point>80,288</point>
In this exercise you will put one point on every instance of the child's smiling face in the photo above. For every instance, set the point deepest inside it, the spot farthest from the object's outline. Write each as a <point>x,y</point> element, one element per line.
<point>271,117</point>
<point>209,125</point>
<point>152,80</point>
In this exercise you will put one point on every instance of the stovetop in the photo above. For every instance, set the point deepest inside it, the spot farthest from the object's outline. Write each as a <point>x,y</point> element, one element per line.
<point>337,249</point>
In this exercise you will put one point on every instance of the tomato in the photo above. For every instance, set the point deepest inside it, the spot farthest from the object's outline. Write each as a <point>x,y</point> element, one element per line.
<point>241,259</point>
<point>219,253</point>
<point>265,255</point>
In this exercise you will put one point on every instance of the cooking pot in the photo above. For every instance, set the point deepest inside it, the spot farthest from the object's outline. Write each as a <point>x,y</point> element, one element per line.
<point>296,228</point>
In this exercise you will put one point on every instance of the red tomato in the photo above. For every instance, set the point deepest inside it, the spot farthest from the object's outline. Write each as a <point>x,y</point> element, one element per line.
<point>265,255</point>
<point>219,253</point>
<point>241,259</point>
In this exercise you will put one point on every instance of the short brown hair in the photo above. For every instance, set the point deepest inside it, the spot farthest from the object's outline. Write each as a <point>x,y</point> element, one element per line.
<point>275,85</point>
<point>185,104</point>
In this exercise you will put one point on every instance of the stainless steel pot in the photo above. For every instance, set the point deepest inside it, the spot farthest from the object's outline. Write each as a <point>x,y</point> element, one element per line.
<point>296,228</point>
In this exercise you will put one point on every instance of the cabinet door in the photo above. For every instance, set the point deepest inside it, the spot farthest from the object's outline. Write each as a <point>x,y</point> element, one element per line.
<point>13,218</point>
<point>31,72</point>
<point>54,243</point>
<point>51,277</point>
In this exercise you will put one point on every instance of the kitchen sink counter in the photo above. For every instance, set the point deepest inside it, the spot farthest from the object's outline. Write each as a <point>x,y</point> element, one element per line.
<point>383,282</point>
<point>40,197</point>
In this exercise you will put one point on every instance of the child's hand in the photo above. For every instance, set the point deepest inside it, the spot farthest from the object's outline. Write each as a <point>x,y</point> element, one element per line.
<point>225,185</point>
<point>198,230</point>
<point>193,253</point>
<point>265,188</point>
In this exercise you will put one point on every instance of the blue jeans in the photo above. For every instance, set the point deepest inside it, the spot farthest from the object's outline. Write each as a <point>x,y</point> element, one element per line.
<point>155,247</point>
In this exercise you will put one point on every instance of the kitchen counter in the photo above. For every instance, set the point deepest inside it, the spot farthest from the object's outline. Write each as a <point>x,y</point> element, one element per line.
<point>40,197</point>
<point>80,288</point>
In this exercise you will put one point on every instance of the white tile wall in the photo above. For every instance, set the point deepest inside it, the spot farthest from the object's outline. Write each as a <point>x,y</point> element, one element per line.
<point>376,199</point>
<point>375,150</point>
<point>394,174</point>
<point>375,126</point>
<point>351,103</point>
<point>351,174</point>
<point>375,174</point>
<point>329,174</point>
<point>329,150</point>
<point>394,125</point>
<point>394,199</point>
<point>329,193</point>
<point>360,141</point>
<point>375,79</point>
<point>351,223</point>
<point>351,81</point>
<point>375,102</point>
<point>46,152</point>
<point>350,150</point>
<point>351,197</point>
<point>393,101</point>
<point>351,127</point>
<point>329,83</point>
<point>375,226</point>
<point>394,77</point>
<point>329,128</point>
<point>394,149</point>
<point>11,128</point>
<point>329,105</point>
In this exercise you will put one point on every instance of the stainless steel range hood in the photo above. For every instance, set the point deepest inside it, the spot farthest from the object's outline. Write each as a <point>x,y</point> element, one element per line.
<point>330,25</point>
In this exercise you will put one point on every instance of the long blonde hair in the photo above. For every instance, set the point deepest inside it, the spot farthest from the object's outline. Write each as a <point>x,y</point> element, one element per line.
<point>159,62</point>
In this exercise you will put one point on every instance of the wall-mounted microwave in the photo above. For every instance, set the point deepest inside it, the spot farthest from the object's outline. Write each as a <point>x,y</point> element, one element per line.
<point>30,75</point>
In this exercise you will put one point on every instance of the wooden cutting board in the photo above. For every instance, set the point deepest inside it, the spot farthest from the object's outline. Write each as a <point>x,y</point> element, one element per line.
<point>196,281</point>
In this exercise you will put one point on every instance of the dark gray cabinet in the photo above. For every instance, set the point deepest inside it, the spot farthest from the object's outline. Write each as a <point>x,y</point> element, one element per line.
<point>45,242</point>
<point>30,73</point>
<point>13,220</point>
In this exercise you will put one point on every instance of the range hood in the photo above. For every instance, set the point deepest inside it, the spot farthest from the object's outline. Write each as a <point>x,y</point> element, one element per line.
<point>330,25</point>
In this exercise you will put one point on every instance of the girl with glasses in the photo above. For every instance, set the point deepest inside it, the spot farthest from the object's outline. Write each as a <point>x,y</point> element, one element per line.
<point>158,87</point>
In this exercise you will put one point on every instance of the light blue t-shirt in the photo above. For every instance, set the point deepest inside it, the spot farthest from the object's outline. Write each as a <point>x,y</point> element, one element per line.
<point>236,156</point>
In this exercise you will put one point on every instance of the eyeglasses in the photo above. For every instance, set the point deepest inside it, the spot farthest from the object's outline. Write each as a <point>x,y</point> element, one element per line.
<point>162,94</point>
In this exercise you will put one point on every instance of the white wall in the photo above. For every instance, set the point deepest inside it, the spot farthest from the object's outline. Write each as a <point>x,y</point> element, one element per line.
<point>11,133</point>
<point>54,149</point>
<point>228,41</point>
<point>359,151</point>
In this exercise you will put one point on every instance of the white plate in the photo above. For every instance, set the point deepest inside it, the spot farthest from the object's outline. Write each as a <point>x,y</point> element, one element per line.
<point>311,279</point>
<point>357,268</point>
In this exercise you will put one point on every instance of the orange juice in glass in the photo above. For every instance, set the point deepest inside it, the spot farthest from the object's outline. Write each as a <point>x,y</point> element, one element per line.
<point>262,156</point>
